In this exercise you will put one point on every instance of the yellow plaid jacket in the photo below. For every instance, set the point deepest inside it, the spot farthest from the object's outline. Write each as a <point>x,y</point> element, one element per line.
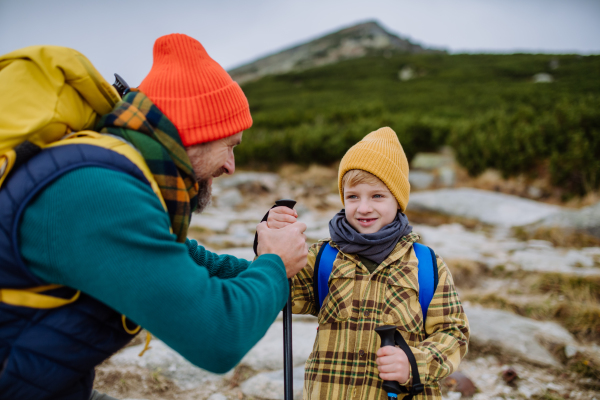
<point>343,364</point>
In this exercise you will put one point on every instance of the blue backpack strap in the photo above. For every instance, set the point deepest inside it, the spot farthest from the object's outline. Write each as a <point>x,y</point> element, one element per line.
<point>322,271</point>
<point>428,276</point>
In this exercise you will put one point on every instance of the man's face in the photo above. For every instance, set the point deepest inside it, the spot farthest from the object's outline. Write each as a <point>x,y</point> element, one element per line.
<point>210,160</point>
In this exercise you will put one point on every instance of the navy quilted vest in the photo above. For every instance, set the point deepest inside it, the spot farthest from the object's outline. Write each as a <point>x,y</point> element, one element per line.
<point>51,354</point>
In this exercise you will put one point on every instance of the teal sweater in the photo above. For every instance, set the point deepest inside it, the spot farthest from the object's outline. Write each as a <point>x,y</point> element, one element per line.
<point>106,234</point>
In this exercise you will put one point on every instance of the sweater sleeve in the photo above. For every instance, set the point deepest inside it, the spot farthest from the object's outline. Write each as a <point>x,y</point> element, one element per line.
<point>220,266</point>
<point>105,233</point>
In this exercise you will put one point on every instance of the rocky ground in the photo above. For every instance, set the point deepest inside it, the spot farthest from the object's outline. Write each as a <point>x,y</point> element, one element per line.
<point>528,273</point>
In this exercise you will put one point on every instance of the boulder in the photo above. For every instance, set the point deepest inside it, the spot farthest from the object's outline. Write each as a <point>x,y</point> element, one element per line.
<point>267,354</point>
<point>586,219</point>
<point>406,73</point>
<point>543,77</point>
<point>446,176</point>
<point>218,396</point>
<point>269,385</point>
<point>207,221</point>
<point>430,161</point>
<point>161,357</point>
<point>250,181</point>
<point>488,207</point>
<point>230,198</point>
<point>246,253</point>
<point>421,180</point>
<point>520,337</point>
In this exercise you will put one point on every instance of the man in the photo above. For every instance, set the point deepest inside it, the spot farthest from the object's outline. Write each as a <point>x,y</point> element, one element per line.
<point>112,232</point>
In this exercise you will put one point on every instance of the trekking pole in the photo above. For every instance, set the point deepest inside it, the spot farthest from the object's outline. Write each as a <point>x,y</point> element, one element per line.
<point>288,367</point>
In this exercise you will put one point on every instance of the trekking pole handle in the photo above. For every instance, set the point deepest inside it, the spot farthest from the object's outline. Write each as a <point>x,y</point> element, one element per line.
<point>386,333</point>
<point>289,203</point>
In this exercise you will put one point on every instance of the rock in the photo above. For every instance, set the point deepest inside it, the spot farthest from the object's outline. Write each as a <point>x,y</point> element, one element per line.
<point>487,207</point>
<point>543,77</point>
<point>586,219</point>
<point>246,253</point>
<point>269,385</point>
<point>454,243</point>
<point>518,336</point>
<point>406,73</point>
<point>459,382</point>
<point>162,358</point>
<point>250,181</point>
<point>430,161</point>
<point>446,176</point>
<point>452,396</point>
<point>317,234</point>
<point>230,241</point>
<point>509,375</point>
<point>168,362</point>
<point>230,198</point>
<point>570,351</point>
<point>420,180</point>
<point>217,396</point>
<point>267,354</point>
<point>571,261</point>
<point>213,223</point>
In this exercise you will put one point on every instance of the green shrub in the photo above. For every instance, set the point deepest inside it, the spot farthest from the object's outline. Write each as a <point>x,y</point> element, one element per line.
<point>486,106</point>
<point>566,137</point>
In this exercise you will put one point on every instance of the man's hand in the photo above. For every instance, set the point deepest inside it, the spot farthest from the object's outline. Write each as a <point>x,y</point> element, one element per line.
<point>280,217</point>
<point>392,364</point>
<point>289,243</point>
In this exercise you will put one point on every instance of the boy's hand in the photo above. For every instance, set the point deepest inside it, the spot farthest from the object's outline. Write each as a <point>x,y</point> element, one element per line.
<point>280,217</point>
<point>392,364</point>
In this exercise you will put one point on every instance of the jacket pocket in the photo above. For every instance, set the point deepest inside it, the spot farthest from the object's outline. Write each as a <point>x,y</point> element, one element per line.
<point>337,305</point>
<point>401,306</point>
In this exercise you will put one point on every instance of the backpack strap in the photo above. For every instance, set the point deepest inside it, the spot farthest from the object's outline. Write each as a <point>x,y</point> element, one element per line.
<point>322,270</point>
<point>428,276</point>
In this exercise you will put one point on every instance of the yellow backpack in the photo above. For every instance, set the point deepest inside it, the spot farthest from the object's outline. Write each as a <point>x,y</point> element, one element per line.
<point>52,96</point>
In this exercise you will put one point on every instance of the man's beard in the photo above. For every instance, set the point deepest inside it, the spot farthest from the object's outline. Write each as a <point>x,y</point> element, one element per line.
<point>204,195</point>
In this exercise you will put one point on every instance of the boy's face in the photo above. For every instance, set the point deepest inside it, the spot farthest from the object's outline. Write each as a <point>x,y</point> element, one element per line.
<point>369,207</point>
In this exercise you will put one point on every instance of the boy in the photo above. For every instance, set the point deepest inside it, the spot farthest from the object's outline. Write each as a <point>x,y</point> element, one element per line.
<point>374,282</point>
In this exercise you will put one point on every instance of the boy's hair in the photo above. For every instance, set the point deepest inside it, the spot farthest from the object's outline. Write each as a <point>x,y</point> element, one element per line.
<point>355,177</point>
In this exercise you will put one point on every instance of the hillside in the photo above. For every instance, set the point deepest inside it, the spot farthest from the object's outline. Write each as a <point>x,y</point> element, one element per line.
<point>352,42</point>
<point>494,110</point>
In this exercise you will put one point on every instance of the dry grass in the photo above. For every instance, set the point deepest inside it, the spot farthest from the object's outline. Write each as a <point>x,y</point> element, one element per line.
<point>466,273</point>
<point>437,219</point>
<point>134,382</point>
<point>572,301</point>
<point>559,237</point>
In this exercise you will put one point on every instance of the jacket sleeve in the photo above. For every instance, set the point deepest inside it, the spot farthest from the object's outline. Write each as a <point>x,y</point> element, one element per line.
<point>105,233</point>
<point>303,297</point>
<point>221,266</point>
<point>448,332</point>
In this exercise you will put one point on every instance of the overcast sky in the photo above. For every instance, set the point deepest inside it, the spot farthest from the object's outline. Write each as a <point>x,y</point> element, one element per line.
<point>118,35</point>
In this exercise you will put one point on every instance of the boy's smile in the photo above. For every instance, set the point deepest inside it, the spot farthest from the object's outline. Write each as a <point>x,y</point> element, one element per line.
<point>369,207</point>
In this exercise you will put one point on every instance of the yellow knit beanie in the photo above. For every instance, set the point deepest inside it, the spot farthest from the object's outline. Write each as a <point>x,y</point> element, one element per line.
<point>381,154</point>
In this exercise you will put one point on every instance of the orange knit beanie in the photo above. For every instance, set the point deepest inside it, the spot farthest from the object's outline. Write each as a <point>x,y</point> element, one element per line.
<point>194,92</point>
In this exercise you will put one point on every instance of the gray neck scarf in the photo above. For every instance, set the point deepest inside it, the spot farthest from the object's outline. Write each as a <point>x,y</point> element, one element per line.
<point>373,246</point>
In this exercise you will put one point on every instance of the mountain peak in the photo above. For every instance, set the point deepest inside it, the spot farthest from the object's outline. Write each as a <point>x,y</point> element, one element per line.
<point>352,42</point>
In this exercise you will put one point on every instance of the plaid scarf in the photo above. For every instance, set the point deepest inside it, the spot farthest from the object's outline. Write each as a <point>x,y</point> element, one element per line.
<point>137,120</point>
